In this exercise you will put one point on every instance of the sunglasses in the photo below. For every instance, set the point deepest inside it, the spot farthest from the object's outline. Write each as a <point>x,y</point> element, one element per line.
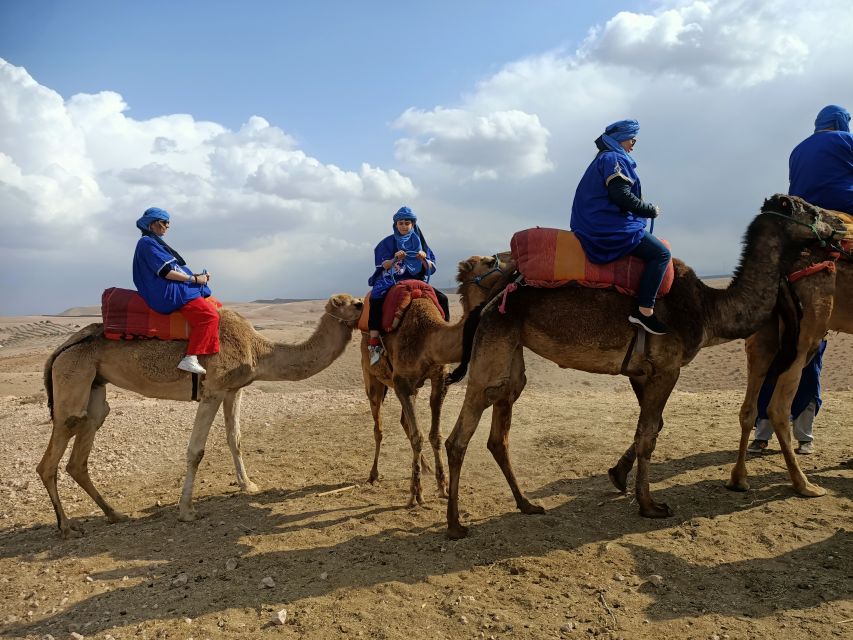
<point>165,223</point>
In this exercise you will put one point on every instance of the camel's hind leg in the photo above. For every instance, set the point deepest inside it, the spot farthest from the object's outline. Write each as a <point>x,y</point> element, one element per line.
<point>376,392</point>
<point>618,473</point>
<point>656,392</point>
<point>47,470</point>
<point>406,394</point>
<point>761,348</point>
<point>438,389</point>
<point>499,436</point>
<point>231,409</point>
<point>78,463</point>
<point>207,409</point>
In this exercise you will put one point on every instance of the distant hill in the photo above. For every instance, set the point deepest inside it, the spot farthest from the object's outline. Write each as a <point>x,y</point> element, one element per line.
<point>282,300</point>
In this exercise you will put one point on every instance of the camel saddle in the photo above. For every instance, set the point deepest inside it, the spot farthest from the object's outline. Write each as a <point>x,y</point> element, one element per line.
<point>554,258</point>
<point>397,301</point>
<point>128,317</point>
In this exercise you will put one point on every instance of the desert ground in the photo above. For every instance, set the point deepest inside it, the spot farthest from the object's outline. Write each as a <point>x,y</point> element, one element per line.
<point>296,561</point>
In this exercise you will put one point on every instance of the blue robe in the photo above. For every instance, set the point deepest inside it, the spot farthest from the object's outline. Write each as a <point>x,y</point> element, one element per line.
<point>605,232</point>
<point>382,281</point>
<point>162,295</point>
<point>808,391</point>
<point>821,170</point>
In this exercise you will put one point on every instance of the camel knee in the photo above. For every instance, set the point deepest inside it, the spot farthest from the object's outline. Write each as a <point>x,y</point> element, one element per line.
<point>435,440</point>
<point>194,457</point>
<point>77,470</point>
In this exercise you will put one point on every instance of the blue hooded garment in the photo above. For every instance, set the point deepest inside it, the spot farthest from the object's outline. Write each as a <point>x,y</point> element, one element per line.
<point>411,268</point>
<point>605,232</point>
<point>821,170</point>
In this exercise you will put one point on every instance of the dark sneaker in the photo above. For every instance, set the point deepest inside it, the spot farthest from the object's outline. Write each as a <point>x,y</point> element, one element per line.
<point>806,448</point>
<point>757,446</point>
<point>649,323</point>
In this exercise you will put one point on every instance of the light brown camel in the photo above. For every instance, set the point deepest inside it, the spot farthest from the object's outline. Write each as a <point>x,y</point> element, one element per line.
<point>418,350</point>
<point>76,375</point>
<point>826,299</point>
<point>587,329</point>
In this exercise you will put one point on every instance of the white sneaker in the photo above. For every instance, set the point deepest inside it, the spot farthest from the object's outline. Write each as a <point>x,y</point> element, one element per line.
<point>191,364</point>
<point>375,352</point>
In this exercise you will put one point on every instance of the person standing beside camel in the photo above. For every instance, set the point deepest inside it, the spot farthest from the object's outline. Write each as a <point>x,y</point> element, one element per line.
<point>609,218</point>
<point>404,255</point>
<point>820,171</point>
<point>166,284</point>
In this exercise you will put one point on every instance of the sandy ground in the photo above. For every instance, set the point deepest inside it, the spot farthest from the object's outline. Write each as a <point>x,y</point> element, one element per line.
<point>357,563</point>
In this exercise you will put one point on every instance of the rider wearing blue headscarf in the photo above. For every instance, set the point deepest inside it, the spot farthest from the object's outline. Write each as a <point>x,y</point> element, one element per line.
<point>404,255</point>
<point>609,217</point>
<point>820,171</point>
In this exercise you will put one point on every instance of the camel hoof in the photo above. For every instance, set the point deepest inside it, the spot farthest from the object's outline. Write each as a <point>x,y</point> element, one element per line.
<point>810,490</point>
<point>657,510</point>
<point>530,509</point>
<point>442,491</point>
<point>251,487</point>
<point>115,517</point>
<point>457,532</point>
<point>186,515</point>
<point>71,530</point>
<point>619,480</point>
<point>737,485</point>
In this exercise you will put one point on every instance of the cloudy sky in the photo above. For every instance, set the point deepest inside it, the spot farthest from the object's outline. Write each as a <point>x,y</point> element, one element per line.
<point>283,136</point>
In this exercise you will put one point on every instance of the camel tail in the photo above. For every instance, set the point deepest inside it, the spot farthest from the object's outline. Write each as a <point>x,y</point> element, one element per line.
<point>84,335</point>
<point>467,344</point>
<point>789,310</point>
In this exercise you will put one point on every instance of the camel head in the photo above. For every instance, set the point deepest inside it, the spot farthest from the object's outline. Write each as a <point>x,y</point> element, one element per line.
<point>811,223</point>
<point>344,308</point>
<point>480,277</point>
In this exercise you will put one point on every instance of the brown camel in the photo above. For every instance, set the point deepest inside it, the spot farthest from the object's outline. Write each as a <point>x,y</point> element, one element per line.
<point>826,298</point>
<point>418,350</point>
<point>587,329</point>
<point>76,375</point>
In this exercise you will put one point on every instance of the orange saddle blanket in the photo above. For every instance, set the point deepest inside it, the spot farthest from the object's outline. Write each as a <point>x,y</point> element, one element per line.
<point>397,301</point>
<point>554,258</point>
<point>128,317</point>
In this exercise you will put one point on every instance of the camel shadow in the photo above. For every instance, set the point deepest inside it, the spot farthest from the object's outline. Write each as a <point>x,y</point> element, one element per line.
<point>304,565</point>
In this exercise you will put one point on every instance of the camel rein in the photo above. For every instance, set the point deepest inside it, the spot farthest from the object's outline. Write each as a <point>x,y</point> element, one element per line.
<point>497,268</point>
<point>812,226</point>
<point>339,319</point>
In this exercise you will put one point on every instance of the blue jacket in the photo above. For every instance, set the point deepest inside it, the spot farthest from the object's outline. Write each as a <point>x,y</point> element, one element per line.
<point>382,280</point>
<point>605,232</point>
<point>162,295</point>
<point>821,170</point>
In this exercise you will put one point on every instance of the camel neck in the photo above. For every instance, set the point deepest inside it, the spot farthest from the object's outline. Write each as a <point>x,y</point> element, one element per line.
<point>279,361</point>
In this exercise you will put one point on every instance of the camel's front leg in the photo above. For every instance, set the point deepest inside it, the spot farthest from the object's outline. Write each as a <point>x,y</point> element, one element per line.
<point>231,409</point>
<point>405,394</point>
<point>78,463</point>
<point>376,392</point>
<point>207,409</point>
<point>618,473</point>
<point>761,348</point>
<point>656,392</point>
<point>438,389</point>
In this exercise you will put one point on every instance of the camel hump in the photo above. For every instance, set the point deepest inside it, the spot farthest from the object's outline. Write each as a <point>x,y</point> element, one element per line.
<point>552,258</point>
<point>397,302</point>
<point>127,316</point>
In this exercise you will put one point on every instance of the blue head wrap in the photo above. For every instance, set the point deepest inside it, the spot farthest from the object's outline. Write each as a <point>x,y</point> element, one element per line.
<point>618,132</point>
<point>150,216</point>
<point>833,117</point>
<point>411,242</point>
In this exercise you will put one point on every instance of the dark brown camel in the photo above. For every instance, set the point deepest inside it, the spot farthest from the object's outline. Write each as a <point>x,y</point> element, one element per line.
<point>419,350</point>
<point>826,298</point>
<point>587,329</point>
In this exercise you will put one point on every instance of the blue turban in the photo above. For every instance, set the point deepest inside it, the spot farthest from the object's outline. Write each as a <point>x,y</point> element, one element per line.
<point>833,117</point>
<point>150,216</point>
<point>618,132</point>
<point>404,213</point>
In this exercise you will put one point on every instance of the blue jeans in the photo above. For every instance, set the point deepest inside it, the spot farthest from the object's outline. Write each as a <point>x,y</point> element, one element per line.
<point>656,256</point>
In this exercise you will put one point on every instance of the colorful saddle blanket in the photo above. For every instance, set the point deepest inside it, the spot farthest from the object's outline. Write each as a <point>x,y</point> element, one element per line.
<point>128,317</point>
<point>397,301</point>
<point>554,258</point>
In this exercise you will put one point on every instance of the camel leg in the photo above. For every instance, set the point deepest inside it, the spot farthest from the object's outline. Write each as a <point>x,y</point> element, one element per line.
<point>207,409</point>
<point>47,470</point>
<point>376,395</point>
<point>779,411</point>
<point>78,462</point>
<point>655,394</point>
<point>761,348</point>
<point>498,443</point>
<point>618,473</point>
<point>438,389</point>
<point>405,395</point>
<point>231,410</point>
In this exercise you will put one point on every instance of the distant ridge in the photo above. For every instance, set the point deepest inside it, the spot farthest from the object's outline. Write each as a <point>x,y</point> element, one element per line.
<point>282,300</point>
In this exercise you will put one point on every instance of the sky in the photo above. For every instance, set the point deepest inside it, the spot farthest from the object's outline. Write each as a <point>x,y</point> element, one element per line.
<point>282,136</point>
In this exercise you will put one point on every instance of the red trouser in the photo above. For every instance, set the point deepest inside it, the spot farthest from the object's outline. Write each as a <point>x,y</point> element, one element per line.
<point>203,319</point>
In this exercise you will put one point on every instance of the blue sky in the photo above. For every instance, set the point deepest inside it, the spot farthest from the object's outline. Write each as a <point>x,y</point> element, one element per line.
<point>283,136</point>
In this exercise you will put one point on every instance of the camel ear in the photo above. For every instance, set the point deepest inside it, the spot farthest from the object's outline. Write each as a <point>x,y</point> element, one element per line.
<point>337,300</point>
<point>466,265</point>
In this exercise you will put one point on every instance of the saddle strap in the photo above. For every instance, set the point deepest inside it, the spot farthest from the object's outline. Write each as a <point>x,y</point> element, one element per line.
<point>827,265</point>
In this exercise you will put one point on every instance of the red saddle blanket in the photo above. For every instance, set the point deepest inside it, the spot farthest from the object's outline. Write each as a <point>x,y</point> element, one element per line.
<point>128,317</point>
<point>554,258</point>
<point>397,301</point>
